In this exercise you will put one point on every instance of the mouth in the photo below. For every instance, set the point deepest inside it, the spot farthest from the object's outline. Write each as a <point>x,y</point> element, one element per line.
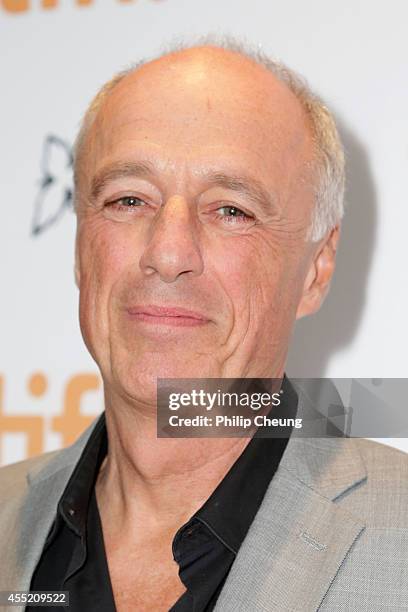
<point>167,315</point>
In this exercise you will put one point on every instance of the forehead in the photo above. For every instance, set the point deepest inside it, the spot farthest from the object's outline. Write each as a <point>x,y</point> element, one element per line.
<point>203,104</point>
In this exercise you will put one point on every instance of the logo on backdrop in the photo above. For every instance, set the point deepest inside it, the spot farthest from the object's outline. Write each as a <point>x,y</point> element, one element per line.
<point>22,6</point>
<point>69,422</point>
<point>54,196</point>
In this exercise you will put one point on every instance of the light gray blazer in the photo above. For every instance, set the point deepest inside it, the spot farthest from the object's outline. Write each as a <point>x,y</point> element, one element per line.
<point>331,533</point>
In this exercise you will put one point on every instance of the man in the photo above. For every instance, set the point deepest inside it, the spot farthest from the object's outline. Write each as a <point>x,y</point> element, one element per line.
<point>209,189</point>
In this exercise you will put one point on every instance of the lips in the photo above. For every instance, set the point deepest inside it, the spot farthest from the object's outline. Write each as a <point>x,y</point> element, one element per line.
<point>167,315</point>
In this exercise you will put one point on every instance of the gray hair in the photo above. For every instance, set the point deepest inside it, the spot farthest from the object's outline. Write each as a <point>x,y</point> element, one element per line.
<point>330,158</point>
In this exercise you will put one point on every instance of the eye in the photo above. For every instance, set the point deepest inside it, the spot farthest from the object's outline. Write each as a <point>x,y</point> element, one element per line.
<point>126,202</point>
<point>232,214</point>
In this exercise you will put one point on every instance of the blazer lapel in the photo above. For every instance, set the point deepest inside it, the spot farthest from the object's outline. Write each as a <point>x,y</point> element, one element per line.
<point>300,536</point>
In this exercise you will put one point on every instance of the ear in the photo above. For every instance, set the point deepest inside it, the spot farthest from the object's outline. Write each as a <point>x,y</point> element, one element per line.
<point>319,274</point>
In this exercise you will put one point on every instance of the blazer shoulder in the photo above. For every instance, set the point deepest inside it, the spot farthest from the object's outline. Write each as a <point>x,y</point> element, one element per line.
<point>14,477</point>
<point>383,497</point>
<point>384,461</point>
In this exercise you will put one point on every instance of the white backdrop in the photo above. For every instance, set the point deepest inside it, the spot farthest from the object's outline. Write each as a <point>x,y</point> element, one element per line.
<point>354,53</point>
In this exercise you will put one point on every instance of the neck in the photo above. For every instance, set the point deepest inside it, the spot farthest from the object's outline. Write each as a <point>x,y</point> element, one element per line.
<point>157,481</point>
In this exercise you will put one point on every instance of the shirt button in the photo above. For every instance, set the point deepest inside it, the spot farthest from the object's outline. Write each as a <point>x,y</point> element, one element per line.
<point>71,511</point>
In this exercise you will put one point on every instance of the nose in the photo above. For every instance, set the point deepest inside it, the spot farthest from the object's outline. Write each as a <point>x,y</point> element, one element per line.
<point>172,248</point>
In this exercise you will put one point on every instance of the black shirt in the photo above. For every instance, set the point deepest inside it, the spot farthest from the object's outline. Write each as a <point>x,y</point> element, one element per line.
<point>74,558</point>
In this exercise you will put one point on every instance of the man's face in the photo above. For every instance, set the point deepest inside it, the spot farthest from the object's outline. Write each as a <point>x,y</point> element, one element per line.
<point>195,197</point>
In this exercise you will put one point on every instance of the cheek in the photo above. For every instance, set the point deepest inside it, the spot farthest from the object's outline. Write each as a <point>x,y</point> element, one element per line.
<point>231,262</point>
<point>260,276</point>
<point>106,254</point>
<point>246,277</point>
<point>106,250</point>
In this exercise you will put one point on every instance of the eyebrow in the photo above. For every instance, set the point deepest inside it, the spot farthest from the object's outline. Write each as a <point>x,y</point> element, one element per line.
<point>116,171</point>
<point>247,186</point>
